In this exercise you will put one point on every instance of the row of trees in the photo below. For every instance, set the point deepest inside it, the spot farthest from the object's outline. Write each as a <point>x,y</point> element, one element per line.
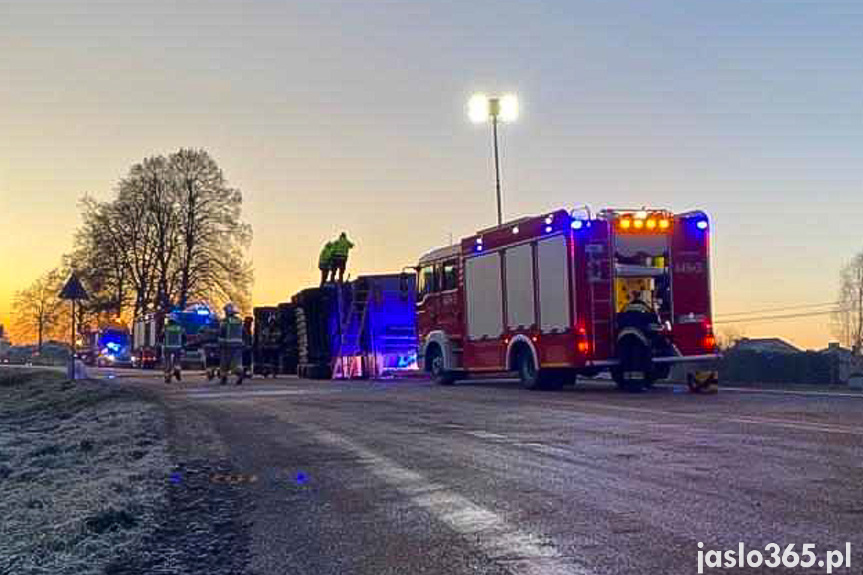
<point>172,235</point>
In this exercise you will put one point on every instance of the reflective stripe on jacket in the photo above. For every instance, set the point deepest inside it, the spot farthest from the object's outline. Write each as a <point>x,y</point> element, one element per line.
<point>232,331</point>
<point>173,337</point>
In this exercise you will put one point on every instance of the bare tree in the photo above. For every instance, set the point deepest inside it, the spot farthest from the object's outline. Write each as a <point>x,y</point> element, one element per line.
<point>212,262</point>
<point>172,235</point>
<point>102,258</point>
<point>848,319</point>
<point>37,309</point>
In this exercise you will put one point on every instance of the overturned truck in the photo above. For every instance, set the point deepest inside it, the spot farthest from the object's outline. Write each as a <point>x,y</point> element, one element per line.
<point>360,329</point>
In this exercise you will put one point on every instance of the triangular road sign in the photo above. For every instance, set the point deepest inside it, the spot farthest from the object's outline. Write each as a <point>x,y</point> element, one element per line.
<point>73,289</point>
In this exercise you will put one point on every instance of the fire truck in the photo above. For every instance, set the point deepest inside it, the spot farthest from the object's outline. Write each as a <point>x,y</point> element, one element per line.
<point>200,324</point>
<point>564,294</point>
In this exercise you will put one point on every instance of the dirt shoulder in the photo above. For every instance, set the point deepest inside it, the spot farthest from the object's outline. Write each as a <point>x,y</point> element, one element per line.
<point>99,477</point>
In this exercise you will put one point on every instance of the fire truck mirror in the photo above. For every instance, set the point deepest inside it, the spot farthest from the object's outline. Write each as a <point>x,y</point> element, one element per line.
<point>403,283</point>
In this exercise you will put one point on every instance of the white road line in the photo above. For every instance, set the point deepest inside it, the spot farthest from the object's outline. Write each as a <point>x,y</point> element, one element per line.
<point>252,393</point>
<point>486,435</point>
<point>792,392</point>
<point>519,552</point>
<point>804,425</point>
<point>717,419</point>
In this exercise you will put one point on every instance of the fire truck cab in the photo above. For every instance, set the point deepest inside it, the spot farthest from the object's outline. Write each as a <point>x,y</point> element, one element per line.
<point>567,293</point>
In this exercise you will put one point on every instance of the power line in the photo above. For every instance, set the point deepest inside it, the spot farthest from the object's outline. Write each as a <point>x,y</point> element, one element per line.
<point>778,317</point>
<point>775,309</point>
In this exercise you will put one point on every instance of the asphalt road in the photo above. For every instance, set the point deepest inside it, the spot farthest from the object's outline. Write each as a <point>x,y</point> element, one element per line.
<point>485,478</point>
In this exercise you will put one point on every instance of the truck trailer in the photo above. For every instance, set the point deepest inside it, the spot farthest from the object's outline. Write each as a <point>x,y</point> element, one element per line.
<point>564,294</point>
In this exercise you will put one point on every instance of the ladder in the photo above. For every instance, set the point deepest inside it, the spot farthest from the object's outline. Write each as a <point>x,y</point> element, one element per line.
<point>348,359</point>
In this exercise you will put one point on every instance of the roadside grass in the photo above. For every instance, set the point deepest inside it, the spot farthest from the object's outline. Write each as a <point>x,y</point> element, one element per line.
<point>83,473</point>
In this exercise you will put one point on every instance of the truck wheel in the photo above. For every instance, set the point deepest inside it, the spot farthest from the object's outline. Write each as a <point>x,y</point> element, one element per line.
<point>531,377</point>
<point>440,375</point>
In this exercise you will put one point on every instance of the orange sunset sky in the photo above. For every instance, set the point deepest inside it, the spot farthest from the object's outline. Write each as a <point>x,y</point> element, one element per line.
<point>351,115</point>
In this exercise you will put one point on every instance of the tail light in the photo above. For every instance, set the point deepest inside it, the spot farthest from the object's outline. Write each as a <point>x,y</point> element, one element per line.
<point>709,340</point>
<point>582,345</point>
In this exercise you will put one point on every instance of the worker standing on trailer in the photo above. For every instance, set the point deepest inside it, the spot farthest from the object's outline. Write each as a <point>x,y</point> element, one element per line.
<point>325,262</point>
<point>341,249</point>
<point>174,336</point>
<point>231,345</point>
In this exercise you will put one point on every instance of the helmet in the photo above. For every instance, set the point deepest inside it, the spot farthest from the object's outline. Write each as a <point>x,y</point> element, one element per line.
<point>230,309</point>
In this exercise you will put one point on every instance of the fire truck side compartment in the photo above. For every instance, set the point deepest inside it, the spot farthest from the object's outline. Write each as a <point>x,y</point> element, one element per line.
<point>484,299</point>
<point>553,285</point>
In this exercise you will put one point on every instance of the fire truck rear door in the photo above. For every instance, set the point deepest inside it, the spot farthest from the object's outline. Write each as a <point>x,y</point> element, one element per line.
<point>597,274</point>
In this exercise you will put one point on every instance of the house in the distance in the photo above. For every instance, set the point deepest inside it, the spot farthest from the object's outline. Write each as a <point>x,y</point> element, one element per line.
<point>847,366</point>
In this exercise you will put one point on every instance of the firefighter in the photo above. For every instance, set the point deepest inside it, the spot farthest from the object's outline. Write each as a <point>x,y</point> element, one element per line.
<point>247,346</point>
<point>341,248</point>
<point>325,262</point>
<point>231,345</point>
<point>637,313</point>
<point>174,336</point>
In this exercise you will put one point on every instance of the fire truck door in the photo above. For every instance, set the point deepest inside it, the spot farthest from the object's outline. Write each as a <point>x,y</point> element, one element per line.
<point>600,294</point>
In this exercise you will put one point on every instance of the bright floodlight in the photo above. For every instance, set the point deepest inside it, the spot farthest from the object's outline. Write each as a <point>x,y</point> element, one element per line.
<point>478,109</point>
<point>508,108</point>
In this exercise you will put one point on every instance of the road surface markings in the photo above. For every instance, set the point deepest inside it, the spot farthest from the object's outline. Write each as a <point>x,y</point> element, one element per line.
<point>793,392</point>
<point>802,425</point>
<point>486,435</point>
<point>547,449</point>
<point>241,394</point>
<point>520,552</point>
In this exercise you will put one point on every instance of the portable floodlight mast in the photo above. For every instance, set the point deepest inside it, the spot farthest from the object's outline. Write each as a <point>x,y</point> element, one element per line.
<point>481,109</point>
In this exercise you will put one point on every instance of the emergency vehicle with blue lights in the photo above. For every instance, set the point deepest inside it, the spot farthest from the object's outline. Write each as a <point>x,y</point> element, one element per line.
<point>551,297</point>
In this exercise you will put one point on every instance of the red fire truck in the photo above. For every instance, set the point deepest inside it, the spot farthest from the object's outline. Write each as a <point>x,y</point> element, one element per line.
<point>564,294</point>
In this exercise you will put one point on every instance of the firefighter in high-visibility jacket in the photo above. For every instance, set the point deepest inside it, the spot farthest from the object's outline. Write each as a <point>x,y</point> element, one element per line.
<point>172,349</point>
<point>325,262</point>
<point>231,345</point>
<point>339,260</point>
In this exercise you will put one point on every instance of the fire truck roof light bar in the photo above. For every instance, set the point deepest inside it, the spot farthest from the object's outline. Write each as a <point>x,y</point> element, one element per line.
<point>651,223</point>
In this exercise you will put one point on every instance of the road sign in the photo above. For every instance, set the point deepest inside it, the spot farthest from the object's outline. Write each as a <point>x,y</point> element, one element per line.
<point>73,290</point>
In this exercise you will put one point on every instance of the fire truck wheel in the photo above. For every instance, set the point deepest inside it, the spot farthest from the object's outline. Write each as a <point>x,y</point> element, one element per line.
<point>531,377</point>
<point>436,363</point>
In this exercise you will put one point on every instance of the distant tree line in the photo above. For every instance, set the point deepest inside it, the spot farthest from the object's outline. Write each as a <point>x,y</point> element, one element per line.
<point>172,235</point>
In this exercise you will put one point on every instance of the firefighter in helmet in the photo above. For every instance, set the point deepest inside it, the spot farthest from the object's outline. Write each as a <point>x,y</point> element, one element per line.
<point>231,345</point>
<point>172,346</point>
<point>341,249</point>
